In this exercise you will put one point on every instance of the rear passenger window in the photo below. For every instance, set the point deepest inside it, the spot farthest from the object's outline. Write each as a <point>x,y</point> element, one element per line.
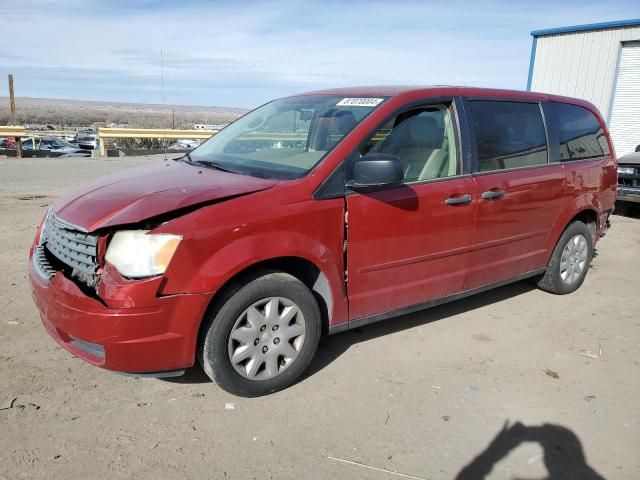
<point>579,132</point>
<point>508,134</point>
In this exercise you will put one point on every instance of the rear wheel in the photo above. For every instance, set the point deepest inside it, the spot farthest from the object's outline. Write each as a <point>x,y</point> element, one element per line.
<point>262,336</point>
<point>570,261</point>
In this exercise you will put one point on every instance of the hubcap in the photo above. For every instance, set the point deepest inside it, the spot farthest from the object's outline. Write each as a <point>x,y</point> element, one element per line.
<point>266,338</point>
<point>574,259</point>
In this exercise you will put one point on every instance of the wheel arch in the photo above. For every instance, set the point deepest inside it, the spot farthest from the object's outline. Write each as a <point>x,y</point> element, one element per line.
<point>587,215</point>
<point>301,268</point>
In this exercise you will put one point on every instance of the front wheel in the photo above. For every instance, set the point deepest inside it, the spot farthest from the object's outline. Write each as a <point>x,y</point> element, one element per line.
<point>262,336</point>
<point>570,260</point>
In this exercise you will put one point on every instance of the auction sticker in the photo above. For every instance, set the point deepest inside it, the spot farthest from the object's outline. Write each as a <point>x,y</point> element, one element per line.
<point>359,102</point>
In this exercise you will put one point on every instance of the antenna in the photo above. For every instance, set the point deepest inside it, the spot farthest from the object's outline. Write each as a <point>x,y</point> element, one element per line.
<point>164,123</point>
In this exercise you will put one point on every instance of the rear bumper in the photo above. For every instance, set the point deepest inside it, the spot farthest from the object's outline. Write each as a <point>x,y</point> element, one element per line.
<point>628,194</point>
<point>160,337</point>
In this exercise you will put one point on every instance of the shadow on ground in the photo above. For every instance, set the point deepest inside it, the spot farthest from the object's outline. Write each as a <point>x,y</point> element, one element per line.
<point>563,457</point>
<point>627,209</point>
<point>334,346</point>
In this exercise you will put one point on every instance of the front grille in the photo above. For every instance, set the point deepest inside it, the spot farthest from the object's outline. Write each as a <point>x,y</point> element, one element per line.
<point>72,247</point>
<point>629,180</point>
<point>43,267</point>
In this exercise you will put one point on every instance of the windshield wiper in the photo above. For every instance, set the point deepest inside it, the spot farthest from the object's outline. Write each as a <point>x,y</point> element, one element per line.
<point>187,159</point>
<point>209,164</point>
<point>218,166</point>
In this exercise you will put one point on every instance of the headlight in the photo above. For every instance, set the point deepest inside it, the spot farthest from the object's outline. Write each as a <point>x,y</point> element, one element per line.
<point>138,253</point>
<point>626,170</point>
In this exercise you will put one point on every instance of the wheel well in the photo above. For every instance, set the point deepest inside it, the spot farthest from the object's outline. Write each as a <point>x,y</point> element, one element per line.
<point>588,217</point>
<point>301,268</point>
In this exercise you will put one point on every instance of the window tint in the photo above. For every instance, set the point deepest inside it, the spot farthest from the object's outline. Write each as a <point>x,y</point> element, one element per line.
<point>508,134</point>
<point>424,141</point>
<point>579,132</point>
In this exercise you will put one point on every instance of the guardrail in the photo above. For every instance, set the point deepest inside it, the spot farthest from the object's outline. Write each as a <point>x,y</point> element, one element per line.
<point>45,133</point>
<point>104,133</point>
<point>19,131</point>
<point>12,131</point>
<point>160,133</point>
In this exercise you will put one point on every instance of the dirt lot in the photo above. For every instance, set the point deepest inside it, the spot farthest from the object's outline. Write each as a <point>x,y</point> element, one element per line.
<point>422,395</point>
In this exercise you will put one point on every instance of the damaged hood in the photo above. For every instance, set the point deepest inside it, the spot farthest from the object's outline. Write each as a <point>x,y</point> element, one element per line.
<point>133,195</point>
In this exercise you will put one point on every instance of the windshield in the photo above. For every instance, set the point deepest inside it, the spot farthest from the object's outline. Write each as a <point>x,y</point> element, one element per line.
<point>56,142</point>
<point>286,138</point>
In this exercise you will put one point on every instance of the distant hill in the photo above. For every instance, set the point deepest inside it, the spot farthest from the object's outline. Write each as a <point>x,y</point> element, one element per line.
<point>59,113</point>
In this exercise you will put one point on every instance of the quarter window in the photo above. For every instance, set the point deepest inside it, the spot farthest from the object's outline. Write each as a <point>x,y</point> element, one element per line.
<point>579,132</point>
<point>508,134</point>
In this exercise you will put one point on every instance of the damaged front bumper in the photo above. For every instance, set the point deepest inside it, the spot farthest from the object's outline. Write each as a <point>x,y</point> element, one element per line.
<point>127,327</point>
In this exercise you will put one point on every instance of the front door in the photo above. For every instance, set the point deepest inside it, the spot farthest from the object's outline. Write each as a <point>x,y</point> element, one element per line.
<point>410,244</point>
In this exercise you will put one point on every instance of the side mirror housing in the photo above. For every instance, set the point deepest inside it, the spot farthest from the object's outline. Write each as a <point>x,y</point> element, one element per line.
<point>637,148</point>
<point>376,171</point>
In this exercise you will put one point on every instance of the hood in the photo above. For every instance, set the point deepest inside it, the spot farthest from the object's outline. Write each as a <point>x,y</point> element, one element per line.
<point>630,159</point>
<point>133,195</point>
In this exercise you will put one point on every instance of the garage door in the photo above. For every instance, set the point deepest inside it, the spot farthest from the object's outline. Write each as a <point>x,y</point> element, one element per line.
<point>625,114</point>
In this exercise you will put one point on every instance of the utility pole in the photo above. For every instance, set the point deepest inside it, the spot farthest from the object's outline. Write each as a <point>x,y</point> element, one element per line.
<point>12,109</point>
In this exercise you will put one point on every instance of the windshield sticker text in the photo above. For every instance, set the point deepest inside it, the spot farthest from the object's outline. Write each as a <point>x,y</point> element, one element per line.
<point>359,102</point>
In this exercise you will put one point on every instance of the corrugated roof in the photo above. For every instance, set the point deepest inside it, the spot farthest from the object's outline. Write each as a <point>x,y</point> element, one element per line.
<point>634,22</point>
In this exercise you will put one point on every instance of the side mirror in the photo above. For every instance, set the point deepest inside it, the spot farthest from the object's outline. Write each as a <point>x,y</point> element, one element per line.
<point>637,148</point>
<point>376,171</point>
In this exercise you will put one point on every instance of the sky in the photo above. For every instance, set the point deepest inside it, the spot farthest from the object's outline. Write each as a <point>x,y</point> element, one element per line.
<point>244,53</point>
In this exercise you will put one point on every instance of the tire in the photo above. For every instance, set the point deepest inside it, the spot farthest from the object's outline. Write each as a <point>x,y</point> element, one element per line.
<point>271,350</point>
<point>565,275</point>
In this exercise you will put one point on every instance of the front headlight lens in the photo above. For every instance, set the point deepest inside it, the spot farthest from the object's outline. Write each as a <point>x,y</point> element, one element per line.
<point>138,253</point>
<point>626,170</point>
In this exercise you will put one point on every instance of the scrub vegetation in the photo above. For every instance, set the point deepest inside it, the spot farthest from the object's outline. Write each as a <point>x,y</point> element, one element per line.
<point>72,113</point>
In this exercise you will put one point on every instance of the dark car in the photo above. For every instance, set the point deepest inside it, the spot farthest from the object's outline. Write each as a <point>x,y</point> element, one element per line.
<point>54,145</point>
<point>319,213</point>
<point>628,181</point>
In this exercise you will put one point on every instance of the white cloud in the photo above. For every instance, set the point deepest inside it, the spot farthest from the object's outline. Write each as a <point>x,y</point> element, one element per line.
<point>244,53</point>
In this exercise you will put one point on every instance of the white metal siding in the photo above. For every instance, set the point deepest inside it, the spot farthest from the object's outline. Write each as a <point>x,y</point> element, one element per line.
<point>625,114</point>
<point>580,64</point>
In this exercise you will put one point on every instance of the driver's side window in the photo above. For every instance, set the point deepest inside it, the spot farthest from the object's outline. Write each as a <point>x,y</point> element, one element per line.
<point>423,139</point>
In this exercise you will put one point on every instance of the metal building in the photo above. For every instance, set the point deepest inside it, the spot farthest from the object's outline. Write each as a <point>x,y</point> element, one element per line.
<point>599,62</point>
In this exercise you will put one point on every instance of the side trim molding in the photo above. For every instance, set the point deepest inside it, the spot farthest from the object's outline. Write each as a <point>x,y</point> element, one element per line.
<point>360,322</point>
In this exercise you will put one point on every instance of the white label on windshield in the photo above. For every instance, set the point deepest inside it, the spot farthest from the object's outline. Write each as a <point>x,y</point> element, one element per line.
<point>359,102</point>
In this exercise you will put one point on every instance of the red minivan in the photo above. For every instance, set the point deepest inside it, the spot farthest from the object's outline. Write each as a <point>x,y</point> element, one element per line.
<point>318,213</point>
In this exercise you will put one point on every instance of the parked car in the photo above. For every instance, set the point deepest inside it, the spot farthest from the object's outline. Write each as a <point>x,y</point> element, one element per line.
<point>53,145</point>
<point>628,181</point>
<point>184,144</point>
<point>244,252</point>
<point>87,139</point>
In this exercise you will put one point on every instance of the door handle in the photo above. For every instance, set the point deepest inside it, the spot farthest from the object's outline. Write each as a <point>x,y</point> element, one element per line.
<point>492,194</point>
<point>462,199</point>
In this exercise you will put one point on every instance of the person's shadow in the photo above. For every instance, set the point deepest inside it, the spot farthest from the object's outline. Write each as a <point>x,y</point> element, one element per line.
<point>563,454</point>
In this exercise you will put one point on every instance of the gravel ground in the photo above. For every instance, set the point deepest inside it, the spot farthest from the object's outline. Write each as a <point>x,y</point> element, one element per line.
<point>513,382</point>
